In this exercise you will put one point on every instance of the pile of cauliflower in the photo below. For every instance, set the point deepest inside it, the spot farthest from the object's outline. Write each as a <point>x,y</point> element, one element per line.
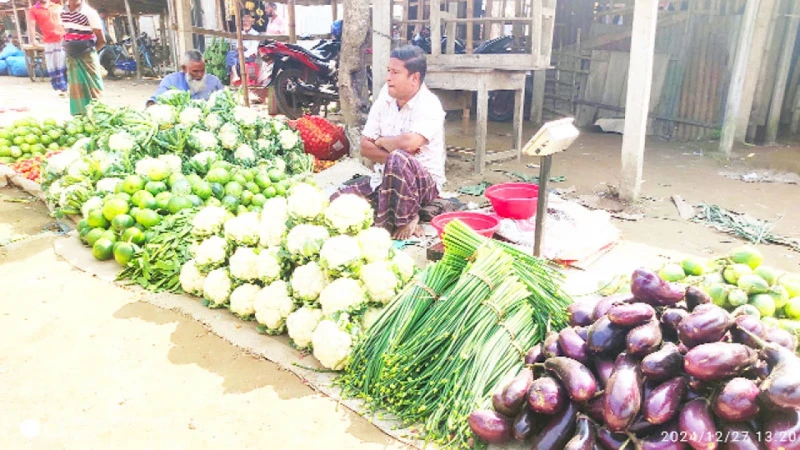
<point>304,265</point>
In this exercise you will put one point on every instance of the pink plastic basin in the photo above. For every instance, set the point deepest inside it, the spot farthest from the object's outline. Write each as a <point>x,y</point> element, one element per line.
<point>514,200</point>
<point>483,224</point>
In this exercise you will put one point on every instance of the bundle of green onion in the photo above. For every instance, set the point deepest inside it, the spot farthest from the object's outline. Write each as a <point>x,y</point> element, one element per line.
<point>460,328</point>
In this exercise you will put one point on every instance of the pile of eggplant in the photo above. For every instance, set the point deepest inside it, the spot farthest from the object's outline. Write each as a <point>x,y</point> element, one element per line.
<point>661,368</point>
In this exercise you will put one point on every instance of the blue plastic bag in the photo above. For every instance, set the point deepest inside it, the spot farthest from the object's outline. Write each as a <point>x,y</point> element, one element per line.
<point>16,66</point>
<point>3,68</point>
<point>10,51</point>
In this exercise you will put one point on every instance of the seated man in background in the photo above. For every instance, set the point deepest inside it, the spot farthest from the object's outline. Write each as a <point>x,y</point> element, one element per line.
<point>249,48</point>
<point>192,78</point>
<point>404,137</point>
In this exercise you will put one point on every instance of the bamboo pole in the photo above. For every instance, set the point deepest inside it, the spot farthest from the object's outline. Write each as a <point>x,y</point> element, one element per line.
<point>292,28</point>
<point>134,40</point>
<point>470,26</point>
<point>784,65</point>
<point>16,22</point>
<point>240,48</point>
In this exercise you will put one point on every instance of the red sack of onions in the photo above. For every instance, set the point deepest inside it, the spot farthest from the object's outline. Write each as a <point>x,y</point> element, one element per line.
<point>321,138</point>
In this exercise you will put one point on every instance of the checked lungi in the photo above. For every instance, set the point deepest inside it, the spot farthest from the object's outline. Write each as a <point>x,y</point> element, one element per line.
<point>56,60</point>
<point>84,80</point>
<point>405,188</point>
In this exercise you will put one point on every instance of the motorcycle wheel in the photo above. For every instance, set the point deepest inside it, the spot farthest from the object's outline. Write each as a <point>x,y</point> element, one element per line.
<point>292,104</point>
<point>501,106</point>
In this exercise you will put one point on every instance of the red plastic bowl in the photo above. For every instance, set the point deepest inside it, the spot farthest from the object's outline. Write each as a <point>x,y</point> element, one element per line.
<point>483,224</point>
<point>514,200</point>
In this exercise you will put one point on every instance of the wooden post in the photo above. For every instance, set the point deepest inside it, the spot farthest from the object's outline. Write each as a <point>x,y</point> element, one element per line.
<point>292,25</point>
<point>16,22</point>
<point>640,79</point>
<point>537,96</point>
<point>763,25</point>
<point>238,18</point>
<point>134,41</point>
<point>742,57</point>
<point>334,10</point>
<point>381,44</point>
<point>541,204</point>
<point>219,13</point>
<point>183,18</point>
<point>30,26</point>
<point>470,25</point>
<point>784,64</point>
<point>481,127</point>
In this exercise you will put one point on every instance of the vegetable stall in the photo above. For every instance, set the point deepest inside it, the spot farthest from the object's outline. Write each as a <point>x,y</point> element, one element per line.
<point>210,199</point>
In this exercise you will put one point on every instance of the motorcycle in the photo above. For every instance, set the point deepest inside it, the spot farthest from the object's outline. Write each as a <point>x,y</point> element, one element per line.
<point>304,79</point>
<point>501,103</point>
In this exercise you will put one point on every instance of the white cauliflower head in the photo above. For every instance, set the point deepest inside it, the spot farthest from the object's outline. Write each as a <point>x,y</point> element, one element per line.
<point>272,231</point>
<point>229,136</point>
<point>306,202</point>
<point>340,254</point>
<point>301,325</point>
<point>243,229</point>
<point>190,116</point>
<point>243,300</point>
<point>343,294</point>
<point>209,220</point>
<point>191,278</point>
<point>268,265</point>
<point>245,116</point>
<point>380,281</point>
<point>58,164</point>
<point>288,139</point>
<point>91,204</point>
<point>275,208</point>
<point>308,281</point>
<point>273,305</point>
<point>121,141</point>
<point>245,154</point>
<point>376,244</point>
<point>305,241</point>
<point>404,266</point>
<point>173,162</point>
<point>217,287</point>
<point>243,264</point>
<point>207,141</point>
<point>161,114</point>
<point>212,121</point>
<point>211,253</point>
<point>349,213</point>
<point>108,185</point>
<point>371,315</point>
<point>332,346</point>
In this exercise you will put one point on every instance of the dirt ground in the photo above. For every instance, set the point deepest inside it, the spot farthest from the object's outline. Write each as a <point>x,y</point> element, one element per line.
<point>87,366</point>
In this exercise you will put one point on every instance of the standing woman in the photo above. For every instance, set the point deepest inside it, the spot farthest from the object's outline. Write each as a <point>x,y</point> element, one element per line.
<point>82,39</point>
<point>47,15</point>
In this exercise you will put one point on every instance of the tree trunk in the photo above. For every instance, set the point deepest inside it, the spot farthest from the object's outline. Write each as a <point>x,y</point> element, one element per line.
<point>353,87</point>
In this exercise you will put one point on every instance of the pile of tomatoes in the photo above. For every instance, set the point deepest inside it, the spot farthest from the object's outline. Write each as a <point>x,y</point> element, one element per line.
<point>31,168</point>
<point>322,138</point>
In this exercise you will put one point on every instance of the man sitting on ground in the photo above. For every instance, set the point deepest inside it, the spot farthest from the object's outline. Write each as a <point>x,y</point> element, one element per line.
<point>192,78</point>
<point>404,137</point>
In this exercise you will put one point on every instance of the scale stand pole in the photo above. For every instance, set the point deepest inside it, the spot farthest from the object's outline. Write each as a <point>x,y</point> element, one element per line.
<point>541,204</point>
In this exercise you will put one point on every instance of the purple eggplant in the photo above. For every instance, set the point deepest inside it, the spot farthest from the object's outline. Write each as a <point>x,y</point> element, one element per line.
<point>583,332</point>
<point>605,337</point>
<point>781,337</point>
<point>753,325</point>
<point>572,346</point>
<point>576,378</point>
<point>759,371</point>
<point>547,396</point>
<point>671,317</point>
<point>697,425</point>
<point>738,436</point>
<point>603,368</point>
<point>515,393</point>
<point>584,438</point>
<point>580,314</point>
<point>535,355</point>
<point>523,426</point>
<point>648,287</point>
<point>558,430</point>
<point>498,405</point>
<point>490,426</point>
<point>737,401</point>
<point>663,404</point>
<point>594,408</point>
<point>704,326</point>
<point>602,306</point>
<point>640,426</point>
<point>663,364</point>
<point>644,339</point>
<point>630,315</point>
<point>613,441</point>
<point>696,297</point>
<point>717,361</point>
<point>623,394</point>
<point>781,388</point>
<point>782,430</point>
<point>551,349</point>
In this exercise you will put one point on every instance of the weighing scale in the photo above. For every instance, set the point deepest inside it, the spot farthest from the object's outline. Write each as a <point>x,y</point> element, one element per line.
<point>553,137</point>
